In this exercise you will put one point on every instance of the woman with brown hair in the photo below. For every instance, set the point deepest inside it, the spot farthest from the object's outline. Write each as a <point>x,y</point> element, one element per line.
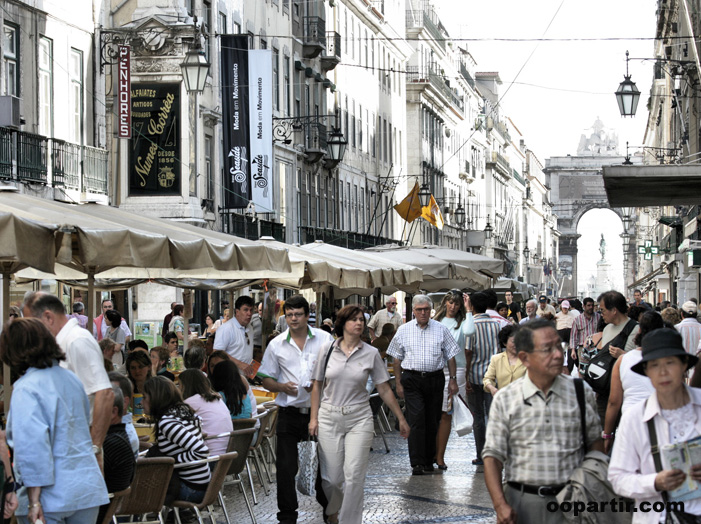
<point>178,434</point>
<point>209,406</point>
<point>139,369</point>
<point>49,429</point>
<point>341,415</point>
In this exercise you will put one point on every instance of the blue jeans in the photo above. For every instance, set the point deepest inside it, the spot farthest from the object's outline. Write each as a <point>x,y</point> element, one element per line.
<point>190,494</point>
<point>81,516</point>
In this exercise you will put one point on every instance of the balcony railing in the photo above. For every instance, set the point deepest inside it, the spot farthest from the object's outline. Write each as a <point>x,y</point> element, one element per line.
<point>315,137</point>
<point>416,74</point>
<point>428,20</point>
<point>27,157</point>
<point>244,226</point>
<point>466,75</point>
<point>341,238</point>
<point>501,163</point>
<point>314,36</point>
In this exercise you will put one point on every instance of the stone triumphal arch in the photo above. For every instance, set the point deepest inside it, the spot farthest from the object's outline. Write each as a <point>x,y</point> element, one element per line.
<point>576,187</point>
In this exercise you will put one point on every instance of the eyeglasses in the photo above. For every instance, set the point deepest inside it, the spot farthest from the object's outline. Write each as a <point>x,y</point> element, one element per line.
<point>549,350</point>
<point>422,309</point>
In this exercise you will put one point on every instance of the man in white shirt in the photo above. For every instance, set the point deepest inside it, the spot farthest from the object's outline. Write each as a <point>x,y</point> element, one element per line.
<point>531,307</point>
<point>235,336</point>
<point>100,325</point>
<point>385,316</point>
<point>545,309</point>
<point>287,369</point>
<point>689,327</point>
<point>83,357</point>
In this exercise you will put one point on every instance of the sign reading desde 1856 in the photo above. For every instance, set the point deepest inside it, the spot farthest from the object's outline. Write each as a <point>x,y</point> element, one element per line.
<point>154,164</point>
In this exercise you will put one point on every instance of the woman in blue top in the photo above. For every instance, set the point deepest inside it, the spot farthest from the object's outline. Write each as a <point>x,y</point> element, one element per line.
<point>455,313</point>
<point>228,382</point>
<point>49,429</point>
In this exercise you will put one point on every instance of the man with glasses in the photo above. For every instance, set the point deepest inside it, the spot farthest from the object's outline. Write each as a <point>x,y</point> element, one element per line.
<point>235,336</point>
<point>287,369</point>
<point>535,430</point>
<point>421,349</point>
<point>384,316</point>
<point>99,328</point>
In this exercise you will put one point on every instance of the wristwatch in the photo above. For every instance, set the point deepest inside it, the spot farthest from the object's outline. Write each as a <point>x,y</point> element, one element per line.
<point>453,378</point>
<point>96,449</point>
<point>606,436</point>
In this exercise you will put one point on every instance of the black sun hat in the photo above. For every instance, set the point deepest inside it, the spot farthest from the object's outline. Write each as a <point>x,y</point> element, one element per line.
<point>661,343</point>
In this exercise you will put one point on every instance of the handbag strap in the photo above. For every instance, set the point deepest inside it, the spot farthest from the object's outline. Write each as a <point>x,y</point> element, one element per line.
<point>655,450</point>
<point>579,390</point>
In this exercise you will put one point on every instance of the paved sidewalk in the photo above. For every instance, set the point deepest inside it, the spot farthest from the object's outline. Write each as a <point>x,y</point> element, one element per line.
<point>392,494</point>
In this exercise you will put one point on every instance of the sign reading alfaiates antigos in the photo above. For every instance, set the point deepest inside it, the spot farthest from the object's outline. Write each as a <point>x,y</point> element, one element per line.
<point>155,160</point>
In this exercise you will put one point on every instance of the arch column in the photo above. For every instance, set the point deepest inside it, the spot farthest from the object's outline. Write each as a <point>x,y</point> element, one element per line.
<point>568,247</point>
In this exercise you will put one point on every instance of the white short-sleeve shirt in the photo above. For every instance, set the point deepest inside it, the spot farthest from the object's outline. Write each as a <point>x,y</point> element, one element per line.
<point>236,340</point>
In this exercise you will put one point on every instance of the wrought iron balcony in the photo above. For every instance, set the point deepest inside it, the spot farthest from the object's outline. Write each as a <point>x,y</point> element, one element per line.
<point>27,157</point>
<point>332,56</point>
<point>466,75</point>
<point>500,163</point>
<point>430,76</point>
<point>244,226</point>
<point>315,141</point>
<point>314,39</point>
<point>343,238</point>
<point>426,19</point>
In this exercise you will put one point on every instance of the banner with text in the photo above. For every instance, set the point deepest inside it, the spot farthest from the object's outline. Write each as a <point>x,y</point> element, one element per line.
<point>247,118</point>
<point>154,163</point>
<point>234,79</point>
<point>124,91</point>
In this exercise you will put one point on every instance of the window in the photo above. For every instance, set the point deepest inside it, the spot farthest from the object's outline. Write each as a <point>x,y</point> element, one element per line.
<point>223,27</point>
<point>46,86</point>
<point>352,39</point>
<point>298,94</point>
<point>365,43</point>
<point>11,59</point>
<point>251,41</point>
<point>276,79</point>
<point>237,28</point>
<point>287,87</point>
<point>263,44</point>
<point>345,30</point>
<point>372,54</point>
<point>360,127</point>
<point>208,168</point>
<point>75,97</point>
<point>352,130</point>
<point>207,8</point>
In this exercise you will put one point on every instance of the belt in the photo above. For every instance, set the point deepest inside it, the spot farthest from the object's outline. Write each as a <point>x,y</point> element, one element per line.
<point>542,491</point>
<point>423,373</point>
<point>292,409</point>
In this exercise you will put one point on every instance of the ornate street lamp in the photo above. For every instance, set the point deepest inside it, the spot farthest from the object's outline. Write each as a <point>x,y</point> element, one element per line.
<point>488,229</point>
<point>526,253</point>
<point>459,215</point>
<point>195,69</point>
<point>627,94</point>
<point>535,258</point>
<point>336,146</point>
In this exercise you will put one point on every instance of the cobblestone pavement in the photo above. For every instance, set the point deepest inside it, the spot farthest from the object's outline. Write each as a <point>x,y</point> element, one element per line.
<point>392,494</point>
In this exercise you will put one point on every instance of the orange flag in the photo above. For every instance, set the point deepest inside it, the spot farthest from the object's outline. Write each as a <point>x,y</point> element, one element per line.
<point>410,208</point>
<point>432,213</point>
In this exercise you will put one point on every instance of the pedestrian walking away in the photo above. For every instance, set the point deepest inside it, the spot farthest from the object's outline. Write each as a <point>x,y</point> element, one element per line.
<point>421,348</point>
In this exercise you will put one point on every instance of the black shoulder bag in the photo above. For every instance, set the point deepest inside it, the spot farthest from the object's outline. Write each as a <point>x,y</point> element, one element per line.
<point>600,367</point>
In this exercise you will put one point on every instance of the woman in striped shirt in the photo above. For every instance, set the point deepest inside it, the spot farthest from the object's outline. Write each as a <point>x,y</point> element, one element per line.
<point>178,434</point>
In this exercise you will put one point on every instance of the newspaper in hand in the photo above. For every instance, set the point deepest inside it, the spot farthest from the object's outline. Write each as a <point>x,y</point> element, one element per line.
<point>682,456</point>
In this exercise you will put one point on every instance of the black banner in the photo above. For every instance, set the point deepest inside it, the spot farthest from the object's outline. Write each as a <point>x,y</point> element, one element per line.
<point>234,79</point>
<point>154,163</point>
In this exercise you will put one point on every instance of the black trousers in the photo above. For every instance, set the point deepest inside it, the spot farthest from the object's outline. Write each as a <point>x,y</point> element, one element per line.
<point>292,427</point>
<point>423,398</point>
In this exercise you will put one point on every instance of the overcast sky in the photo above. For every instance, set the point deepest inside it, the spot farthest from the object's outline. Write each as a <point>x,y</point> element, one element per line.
<point>564,85</point>
<point>555,90</point>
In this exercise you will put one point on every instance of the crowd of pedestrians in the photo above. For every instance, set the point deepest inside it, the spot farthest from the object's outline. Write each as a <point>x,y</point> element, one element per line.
<point>541,379</point>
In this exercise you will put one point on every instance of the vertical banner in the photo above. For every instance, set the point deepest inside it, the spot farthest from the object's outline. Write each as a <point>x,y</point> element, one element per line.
<point>124,91</point>
<point>235,116</point>
<point>154,163</point>
<point>260,96</point>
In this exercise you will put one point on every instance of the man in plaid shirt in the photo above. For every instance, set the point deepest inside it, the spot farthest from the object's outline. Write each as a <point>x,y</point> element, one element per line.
<point>535,432</point>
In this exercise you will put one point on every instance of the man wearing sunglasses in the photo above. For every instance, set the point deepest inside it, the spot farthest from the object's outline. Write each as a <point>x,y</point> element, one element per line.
<point>385,316</point>
<point>235,336</point>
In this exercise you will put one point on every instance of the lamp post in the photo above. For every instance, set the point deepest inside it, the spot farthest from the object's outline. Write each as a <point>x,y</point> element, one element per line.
<point>627,94</point>
<point>336,148</point>
<point>195,69</point>
<point>526,259</point>
<point>488,230</point>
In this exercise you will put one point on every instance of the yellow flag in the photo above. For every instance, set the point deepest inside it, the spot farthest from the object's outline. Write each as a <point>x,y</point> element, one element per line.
<point>432,213</point>
<point>410,208</point>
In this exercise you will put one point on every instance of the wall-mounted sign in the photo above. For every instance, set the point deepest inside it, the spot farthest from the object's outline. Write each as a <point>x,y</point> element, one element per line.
<point>124,91</point>
<point>247,116</point>
<point>154,163</point>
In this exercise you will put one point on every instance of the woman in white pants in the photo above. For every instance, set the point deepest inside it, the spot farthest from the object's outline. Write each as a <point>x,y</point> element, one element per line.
<point>341,416</point>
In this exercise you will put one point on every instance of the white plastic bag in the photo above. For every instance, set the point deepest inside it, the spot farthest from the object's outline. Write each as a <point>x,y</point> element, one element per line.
<point>462,417</point>
<point>308,465</point>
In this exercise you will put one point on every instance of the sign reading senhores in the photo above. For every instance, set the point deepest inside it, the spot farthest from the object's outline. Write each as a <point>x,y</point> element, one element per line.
<point>154,163</point>
<point>124,91</point>
<point>247,117</point>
